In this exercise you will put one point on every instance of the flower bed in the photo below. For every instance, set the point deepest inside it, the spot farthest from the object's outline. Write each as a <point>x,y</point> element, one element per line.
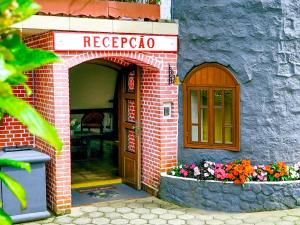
<point>236,187</point>
<point>238,171</point>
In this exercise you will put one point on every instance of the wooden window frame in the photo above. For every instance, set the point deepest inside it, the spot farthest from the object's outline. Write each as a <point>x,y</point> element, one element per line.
<point>210,87</point>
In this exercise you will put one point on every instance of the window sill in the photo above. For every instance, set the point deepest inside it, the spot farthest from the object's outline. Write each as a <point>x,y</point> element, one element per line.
<point>213,147</point>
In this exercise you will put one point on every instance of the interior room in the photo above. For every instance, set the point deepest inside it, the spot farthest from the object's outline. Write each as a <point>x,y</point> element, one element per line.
<point>94,122</point>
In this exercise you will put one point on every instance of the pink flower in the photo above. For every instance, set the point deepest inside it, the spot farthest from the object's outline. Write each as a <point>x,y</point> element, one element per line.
<point>254,174</point>
<point>193,166</point>
<point>184,172</point>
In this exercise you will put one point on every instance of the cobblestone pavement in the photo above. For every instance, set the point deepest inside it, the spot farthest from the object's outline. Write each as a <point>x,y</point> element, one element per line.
<point>154,211</point>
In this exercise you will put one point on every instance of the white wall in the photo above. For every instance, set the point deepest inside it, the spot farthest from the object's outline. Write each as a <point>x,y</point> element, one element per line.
<point>92,86</point>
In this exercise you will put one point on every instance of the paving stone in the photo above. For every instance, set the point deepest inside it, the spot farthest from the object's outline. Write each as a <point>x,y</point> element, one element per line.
<point>252,219</point>
<point>204,217</point>
<point>89,209</point>
<point>176,221</point>
<point>138,221</point>
<point>95,214</point>
<point>124,210</point>
<point>32,223</point>
<point>76,212</point>
<point>119,221</point>
<point>186,217</point>
<point>222,217</point>
<point>83,220</point>
<point>157,221</point>
<point>106,209</point>
<point>167,216</point>
<point>195,222</point>
<point>149,216</point>
<point>265,223</point>
<point>293,212</point>
<point>105,214</point>
<point>131,216</point>
<point>290,218</point>
<point>176,212</point>
<point>282,222</point>
<point>49,220</point>
<point>141,210</point>
<point>159,211</point>
<point>214,222</point>
<point>113,215</point>
<point>100,221</point>
<point>63,220</point>
<point>233,221</point>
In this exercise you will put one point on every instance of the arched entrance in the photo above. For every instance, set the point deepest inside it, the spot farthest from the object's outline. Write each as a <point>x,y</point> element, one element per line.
<point>158,134</point>
<point>94,123</point>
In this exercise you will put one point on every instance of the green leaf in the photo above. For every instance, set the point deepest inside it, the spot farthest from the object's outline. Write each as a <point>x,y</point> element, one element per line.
<point>13,11</point>
<point>5,218</point>
<point>6,53</point>
<point>35,123</point>
<point>6,70</point>
<point>24,57</point>
<point>17,79</point>
<point>5,89</point>
<point>15,187</point>
<point>16,164</point>
<point>27,89</point>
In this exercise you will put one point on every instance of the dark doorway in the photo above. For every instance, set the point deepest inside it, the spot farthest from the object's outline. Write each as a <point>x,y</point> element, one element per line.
<point>94,124</point>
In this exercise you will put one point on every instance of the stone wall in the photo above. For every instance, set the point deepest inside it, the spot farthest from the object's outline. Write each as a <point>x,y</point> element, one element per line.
<point>215,195</point>
<point>259,41</point>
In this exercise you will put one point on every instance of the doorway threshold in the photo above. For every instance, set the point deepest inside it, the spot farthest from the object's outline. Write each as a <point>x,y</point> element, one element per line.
<point>96,183</point>
<point>106,193</point>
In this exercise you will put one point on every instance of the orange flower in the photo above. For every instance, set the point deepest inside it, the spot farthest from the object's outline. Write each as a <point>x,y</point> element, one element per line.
<point>237,182</point>
<point>230,176</point>
<point>277,175</point>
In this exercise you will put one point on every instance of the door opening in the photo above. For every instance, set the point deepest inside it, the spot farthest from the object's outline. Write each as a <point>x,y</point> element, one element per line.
<point>94,124</point>
<point>105,125</point>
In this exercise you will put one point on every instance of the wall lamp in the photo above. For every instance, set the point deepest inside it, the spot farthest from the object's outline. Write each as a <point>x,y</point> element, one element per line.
<point>173,79</point>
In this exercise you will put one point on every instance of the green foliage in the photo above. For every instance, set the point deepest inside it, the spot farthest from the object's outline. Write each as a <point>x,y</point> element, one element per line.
<point>15,59</point>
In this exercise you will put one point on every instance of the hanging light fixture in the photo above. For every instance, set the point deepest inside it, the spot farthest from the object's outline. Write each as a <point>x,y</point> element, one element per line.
<point>173,79</point>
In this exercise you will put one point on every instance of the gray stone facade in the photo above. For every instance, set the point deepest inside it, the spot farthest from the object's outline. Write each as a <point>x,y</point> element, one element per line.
<point>259,41</point>
<point>215,195</point>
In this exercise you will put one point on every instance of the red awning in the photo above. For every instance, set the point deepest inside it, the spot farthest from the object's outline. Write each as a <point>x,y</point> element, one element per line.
<point>100,9</point>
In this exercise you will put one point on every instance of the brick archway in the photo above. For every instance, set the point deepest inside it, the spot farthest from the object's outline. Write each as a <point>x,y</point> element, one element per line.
<point>159,134</point>
<point>122,58</point>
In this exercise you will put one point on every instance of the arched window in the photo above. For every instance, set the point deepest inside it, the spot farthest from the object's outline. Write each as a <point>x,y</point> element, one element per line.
<point>211,108</point>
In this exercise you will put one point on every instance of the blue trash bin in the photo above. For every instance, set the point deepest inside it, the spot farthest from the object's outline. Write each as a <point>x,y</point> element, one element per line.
<point>34,183</point>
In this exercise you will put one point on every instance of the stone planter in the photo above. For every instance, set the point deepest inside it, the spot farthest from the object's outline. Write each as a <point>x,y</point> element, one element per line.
<point>216,195</point>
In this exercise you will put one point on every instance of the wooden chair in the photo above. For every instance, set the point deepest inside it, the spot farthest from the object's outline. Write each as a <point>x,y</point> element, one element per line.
<point>92,120</point>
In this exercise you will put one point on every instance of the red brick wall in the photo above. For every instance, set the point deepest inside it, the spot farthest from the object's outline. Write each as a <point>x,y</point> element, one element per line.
<point>50,102</point>
<point>159,135</point>
<point>12,132</point>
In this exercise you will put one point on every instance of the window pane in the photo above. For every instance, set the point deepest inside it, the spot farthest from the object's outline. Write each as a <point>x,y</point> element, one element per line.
<point>228,135</point>
<point>194,133</point>
<point>228,107</point>
<point>194,106</point>
<point>204,115</point>
<point>204,125</point>
<point>203,98</point>
<point>218,115</point>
